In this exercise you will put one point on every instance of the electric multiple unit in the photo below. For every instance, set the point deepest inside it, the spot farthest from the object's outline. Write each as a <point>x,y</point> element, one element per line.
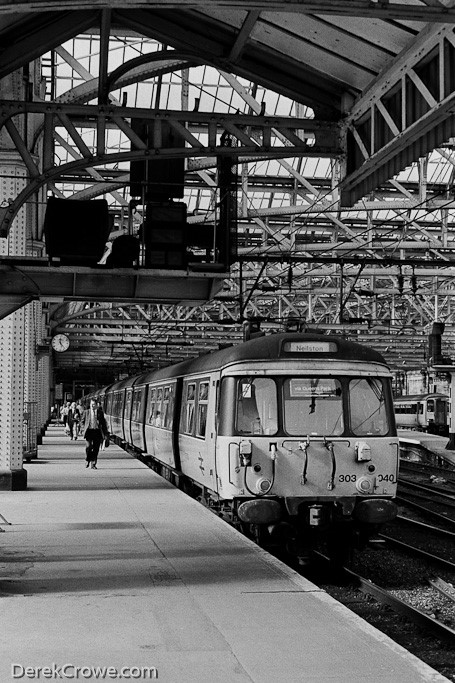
<point>423,412</point>
<point>291,436</point>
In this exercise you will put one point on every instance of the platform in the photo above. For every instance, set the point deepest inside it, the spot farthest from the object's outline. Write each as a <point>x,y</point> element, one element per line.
<point>431,442</point>
<point>116,568</point>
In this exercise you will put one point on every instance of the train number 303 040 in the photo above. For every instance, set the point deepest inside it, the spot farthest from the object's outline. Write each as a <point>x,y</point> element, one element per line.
<point>347,478</point>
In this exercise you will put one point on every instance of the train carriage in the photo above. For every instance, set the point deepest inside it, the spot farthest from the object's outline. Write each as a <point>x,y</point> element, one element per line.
<point>423,412</point>
<point>290,434</point>
<point>116,410</point>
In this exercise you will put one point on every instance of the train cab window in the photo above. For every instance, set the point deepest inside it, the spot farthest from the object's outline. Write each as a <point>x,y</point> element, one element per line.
<point>430,406</point>
<point>367,407</point>
<point>256,406</point>
<point>313,406</point>
<point>202,408</point>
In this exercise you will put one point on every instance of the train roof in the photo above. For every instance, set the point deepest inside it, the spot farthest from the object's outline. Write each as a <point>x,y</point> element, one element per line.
<point>418,397</point>
<point>271,347</point>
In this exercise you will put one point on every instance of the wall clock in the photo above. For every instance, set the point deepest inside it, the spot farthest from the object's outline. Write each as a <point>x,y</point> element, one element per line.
<point>60,342</point>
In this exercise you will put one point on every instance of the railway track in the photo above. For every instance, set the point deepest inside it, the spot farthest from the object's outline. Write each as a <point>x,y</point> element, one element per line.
<point>404,585</point>
<point>419,552</point>
<point>403,608</point>
<point>416,611</point>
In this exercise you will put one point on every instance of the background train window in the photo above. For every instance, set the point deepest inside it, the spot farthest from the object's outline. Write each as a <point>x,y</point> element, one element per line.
<point>367,407</point>
<point>256,406</point>
<point>203,396</point>
<point>313,405</point>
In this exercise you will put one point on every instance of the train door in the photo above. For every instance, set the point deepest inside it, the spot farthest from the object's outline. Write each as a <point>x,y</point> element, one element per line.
<point>137,418</point>
<point>197,437</point>
<point>127,416</point>
<point>421,409</point>
<point>441,415</point>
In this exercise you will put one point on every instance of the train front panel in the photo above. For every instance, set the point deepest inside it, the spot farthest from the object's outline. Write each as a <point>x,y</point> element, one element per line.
<point>308,441</point>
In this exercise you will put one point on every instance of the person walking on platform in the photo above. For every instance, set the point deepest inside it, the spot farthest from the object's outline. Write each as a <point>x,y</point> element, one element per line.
<point>64,414</point>
<point>73,420</point>
<point>94,429</point>
<point>79,424</point>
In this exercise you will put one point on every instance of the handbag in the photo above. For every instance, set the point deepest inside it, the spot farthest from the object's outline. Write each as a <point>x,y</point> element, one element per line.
<point>106,442</point>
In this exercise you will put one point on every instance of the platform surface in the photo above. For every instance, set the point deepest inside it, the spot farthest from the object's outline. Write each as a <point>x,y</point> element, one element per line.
<point>432,442</point>
<point>116,568</point>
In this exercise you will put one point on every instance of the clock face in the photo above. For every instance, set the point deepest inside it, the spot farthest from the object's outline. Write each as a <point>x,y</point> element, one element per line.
<point>60,342</point>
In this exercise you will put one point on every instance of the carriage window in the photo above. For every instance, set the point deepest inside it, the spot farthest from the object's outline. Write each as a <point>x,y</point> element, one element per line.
<point>168,405</point>
<point>257,407</point>
<point>158,414</point>
<point>137,401</point>
<point>120,402</point>
<point>313,406</point>
<point>367,407</point>
<point>188,409</point>
<point>202,408</point>
<point>430,406</point>
<point>129,396</point>
<point>151,406</point>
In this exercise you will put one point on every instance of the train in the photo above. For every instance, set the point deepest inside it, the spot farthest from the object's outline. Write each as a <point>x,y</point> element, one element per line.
<point>423,413</point>
<point>291,437</point>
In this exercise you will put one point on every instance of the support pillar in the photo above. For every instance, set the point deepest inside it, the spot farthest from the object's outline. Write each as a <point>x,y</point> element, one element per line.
<point>12,349</point>
<point>13,476</point>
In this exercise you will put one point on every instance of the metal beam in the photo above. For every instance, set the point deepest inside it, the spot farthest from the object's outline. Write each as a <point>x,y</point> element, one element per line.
<point>384,10</point>
<point>96,284</point>
<point>403,115</point>
<point>249,134</point>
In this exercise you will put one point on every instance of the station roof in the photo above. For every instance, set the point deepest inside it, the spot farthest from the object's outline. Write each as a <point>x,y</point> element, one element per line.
<point>334,61</point>
<point>322,54</point>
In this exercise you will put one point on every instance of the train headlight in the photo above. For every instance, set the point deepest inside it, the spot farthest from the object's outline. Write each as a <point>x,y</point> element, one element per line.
<point>364,485</point>
<point>362,451</point>
<point>263,485</point>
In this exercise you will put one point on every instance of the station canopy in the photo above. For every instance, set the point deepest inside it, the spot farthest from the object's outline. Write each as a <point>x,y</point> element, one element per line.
<point>344,221</point>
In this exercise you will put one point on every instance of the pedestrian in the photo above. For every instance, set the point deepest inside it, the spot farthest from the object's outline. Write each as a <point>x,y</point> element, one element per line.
<point>64,415</point>
<point>94,429</point>
<point>74,417</point>
<point>79,424</point>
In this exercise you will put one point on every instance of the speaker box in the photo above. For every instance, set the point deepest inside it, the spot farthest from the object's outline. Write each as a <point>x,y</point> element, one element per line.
<point>76,231</point>
<point>165,236</point>
<point>157,179</point>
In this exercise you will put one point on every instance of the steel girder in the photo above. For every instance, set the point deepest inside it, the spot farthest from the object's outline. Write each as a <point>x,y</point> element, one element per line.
<point>259,135</point>
<point>385,9</point>
<point>406,113</point>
